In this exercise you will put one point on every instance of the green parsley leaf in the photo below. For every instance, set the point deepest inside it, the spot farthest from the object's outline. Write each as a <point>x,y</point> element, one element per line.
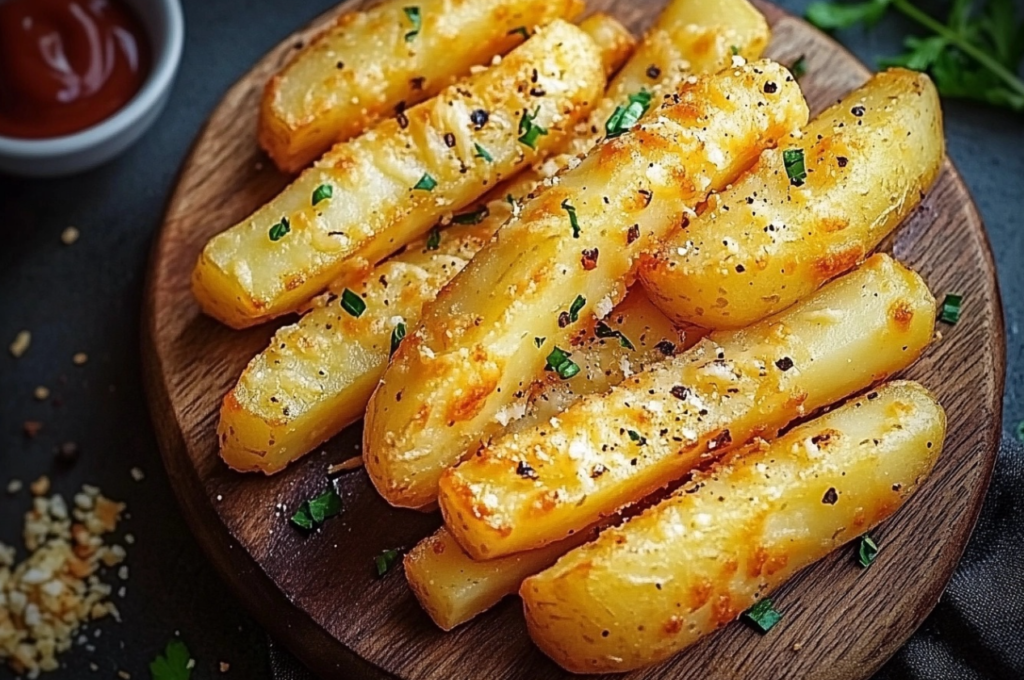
<point>413,15</point>
<point>313,512</point>
<point>172,664</point>
<point>352,303</point>
<point>799,67</point>
<point>539,342</point>
<point>636,437</point>
<point>529,131</point>
<point>867,551</point>
<point>573,220</point>
<point>327,504</point>
<point>603,330</point>
<point>397,335</point>
<point>481,152</point>
<point>976,54</point>
<point>278,231</point>
<point>434,239</point>
<point>475,217</point>
<point>322,193</point>
<point>951,308</point>
<point>793,159</point>
<point>734,49</point>
<point>560,363</point>
<point>386,560</point>
<point>625,117</point>
<point>830,16</point>
<point>762,616</point>
<point>425,183</point>
<point>521,30</point>
<point>575,307</point>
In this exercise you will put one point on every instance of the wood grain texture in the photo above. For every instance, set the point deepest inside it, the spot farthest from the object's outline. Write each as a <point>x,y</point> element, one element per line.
<point>319,595</point>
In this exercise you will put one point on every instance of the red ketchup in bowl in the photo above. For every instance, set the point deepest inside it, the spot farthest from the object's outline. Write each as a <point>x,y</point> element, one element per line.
<point>66,65</point>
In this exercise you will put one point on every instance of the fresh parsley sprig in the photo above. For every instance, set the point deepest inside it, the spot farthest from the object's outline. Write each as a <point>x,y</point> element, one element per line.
<point>173,664</point>
<point>975,54</point>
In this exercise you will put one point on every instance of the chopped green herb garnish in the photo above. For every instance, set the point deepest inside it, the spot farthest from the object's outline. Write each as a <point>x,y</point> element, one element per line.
<point>521,30</point>
<point>529,131</point>
<point>636,437</point>
<point>539,342</point>
<point>278,231</point>
<point>625,117</point>
<point>867,551</point>
<point>575,307</point>
<point>799,67</point>
<point>975,54</point>
<point>951,307</point>
<point>413,14</point>
<point>434,238</point>
<point>322,193</point>
<point>173,664</point>
<point>397,335</point>
<point>603,330</point>
<point>762,616</point>
<point>481,152</point>
<point>573,221</point>
<point>313,512</point>
<point>426,183</point>
<point>560,363</point>
<point>352,303</point>
<point>475,217</point>
<point>793,159</point>
<point>734,49</point>
<point>385,561</point>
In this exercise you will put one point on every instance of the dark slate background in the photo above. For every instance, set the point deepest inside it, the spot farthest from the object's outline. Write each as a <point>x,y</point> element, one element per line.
<point>87,298</point>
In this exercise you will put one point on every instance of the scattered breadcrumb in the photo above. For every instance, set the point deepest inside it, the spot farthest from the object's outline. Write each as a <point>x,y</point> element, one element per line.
<point>224,666</point>
<point>79,359</point>
<point>21,343</point>
<point>137,474</point>
<point>41,393</point>
<point>14,486</point>
<point>124,675</point>
<point>47,598</point>
<point>353,463</point>
<point>69,236</point>
<point>797,646</point>
<point>40,487</point>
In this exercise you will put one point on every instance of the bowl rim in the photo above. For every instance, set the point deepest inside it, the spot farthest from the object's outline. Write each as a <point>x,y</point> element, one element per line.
<point>159,80</point>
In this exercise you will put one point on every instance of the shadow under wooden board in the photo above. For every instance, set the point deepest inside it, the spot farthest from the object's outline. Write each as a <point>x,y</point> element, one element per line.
<point>319,595</point>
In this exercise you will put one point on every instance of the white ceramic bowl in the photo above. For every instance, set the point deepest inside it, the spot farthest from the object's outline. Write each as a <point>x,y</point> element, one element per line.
<point>165,28</point>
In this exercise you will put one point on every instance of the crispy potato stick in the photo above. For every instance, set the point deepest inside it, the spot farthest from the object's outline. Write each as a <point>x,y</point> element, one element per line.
<point>769,241</point>
<point>634,337</point>
<point>607,451</point>
<point>453,587</point>
<point>477,349</point>
<point>316,375</point>
<point>369,196</point>
<point>689,37</point>
<point>692,563</point>
<point>369,63</point>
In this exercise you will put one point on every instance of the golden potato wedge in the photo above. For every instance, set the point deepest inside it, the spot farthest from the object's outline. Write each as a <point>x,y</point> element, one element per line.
<point>694,562</point>
<point>477,346</point>
<point>373,194</point>
<point>769,241</point>
<point>631,339</point>
<point>689,37</point>
<point>372,63</point>
<point>607,451</point>
<point>452,587</point>
<point>316,375</point>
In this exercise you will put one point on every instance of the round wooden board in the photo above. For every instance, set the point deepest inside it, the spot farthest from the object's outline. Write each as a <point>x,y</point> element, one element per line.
<point>318,594</point>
